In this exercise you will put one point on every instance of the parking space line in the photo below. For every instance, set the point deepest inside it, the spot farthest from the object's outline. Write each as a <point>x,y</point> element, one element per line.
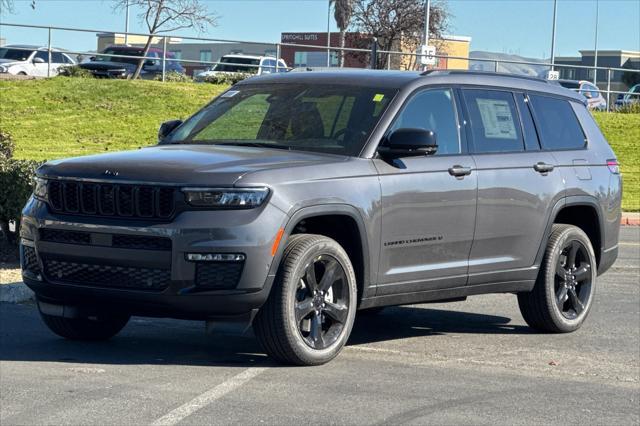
<point>201,401</point>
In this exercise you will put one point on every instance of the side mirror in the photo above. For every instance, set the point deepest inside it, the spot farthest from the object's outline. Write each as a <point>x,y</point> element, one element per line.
<point>166,128</point>
<point>409,143</point>
<point>38,61</point>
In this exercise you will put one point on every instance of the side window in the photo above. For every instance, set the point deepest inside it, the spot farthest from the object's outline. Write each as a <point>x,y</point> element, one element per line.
<point>67,60</point>
<point>558,125</point>
<point>531,141</point>
<point>494,121</point>
<point>57,58</point>
<point>44,55</point>
<point>433,110</point>
<point>282,67</point>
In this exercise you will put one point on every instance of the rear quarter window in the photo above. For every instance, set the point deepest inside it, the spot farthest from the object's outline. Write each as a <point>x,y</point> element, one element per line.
<point>558,125</point>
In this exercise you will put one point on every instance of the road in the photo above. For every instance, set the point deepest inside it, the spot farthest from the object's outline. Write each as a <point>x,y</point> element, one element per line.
<point>472,362</point>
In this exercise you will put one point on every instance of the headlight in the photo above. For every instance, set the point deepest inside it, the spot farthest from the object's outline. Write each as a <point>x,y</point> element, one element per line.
<point>40,189</point>
<point>226,198</point>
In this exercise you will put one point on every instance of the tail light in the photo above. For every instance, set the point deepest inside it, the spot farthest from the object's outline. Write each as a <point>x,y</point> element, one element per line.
<point>613,166</point>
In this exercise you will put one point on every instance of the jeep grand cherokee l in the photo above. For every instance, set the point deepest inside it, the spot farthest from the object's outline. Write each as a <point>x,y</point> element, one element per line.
<point>293,200</point>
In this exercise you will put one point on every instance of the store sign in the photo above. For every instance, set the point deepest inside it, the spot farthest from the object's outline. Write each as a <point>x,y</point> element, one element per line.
<point>298,37</point>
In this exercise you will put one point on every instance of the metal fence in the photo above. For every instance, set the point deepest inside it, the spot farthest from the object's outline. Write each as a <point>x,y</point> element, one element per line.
<point>372,56</point>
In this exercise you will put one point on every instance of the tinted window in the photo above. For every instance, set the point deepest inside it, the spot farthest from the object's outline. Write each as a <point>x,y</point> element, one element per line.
<point>307,117</point>
<point>432,110</point>
<point>43,54</point>
<point>529,129</point>
<point>15,54</point>
<point>236,64</point>
<point>494,121</point>
<point>57,58</point>
<point>557,123</point>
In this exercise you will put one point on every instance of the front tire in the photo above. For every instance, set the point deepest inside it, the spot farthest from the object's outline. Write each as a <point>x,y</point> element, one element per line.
<point>310,311</point>
<point>563,294</point>
<point>98,328</point>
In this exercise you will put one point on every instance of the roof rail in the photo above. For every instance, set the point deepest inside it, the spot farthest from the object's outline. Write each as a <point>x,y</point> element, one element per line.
<point>487,73</point>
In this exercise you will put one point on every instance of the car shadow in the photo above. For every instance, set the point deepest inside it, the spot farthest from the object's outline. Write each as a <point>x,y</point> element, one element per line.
<point>169,342</point>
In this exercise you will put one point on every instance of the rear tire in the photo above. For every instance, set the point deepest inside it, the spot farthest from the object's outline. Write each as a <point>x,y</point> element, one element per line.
<point>563,294</point>
<point>309,314</point>
<point>100,328</point>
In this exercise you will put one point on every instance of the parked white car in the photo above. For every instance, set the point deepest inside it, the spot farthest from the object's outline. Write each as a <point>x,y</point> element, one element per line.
<point>248,64</point>
<point>595,100</point>
<point>32,60</point>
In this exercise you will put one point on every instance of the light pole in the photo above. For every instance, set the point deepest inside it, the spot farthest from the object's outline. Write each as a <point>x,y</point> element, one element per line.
<point>328,34</point>
<point>126,23</point>
<point>427,10</point>
<point>553,35</point>
<point>595,49</point>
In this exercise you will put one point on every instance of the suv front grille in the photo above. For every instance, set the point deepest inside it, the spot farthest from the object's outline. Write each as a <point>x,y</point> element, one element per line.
<point>107,275</point>
<point>112,200</point>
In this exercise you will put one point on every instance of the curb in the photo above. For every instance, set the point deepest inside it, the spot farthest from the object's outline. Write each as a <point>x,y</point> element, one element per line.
<point>15,293</point>
<point>630,219</point>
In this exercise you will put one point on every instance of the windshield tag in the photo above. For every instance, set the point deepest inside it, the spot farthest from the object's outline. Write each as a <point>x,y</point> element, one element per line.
<point>378,97</point>
<point>230,94</point>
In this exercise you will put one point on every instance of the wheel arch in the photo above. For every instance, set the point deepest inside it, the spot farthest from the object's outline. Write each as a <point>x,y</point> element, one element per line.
<point>581,211</point>
<point>347,228</point>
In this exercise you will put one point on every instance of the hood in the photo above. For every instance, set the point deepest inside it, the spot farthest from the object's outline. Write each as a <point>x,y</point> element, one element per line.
<point>106,66</point>
<point>9,62</point>
<point>182,164</point>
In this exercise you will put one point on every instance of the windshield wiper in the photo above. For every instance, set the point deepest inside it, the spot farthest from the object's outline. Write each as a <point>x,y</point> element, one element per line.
<point>256,145</point>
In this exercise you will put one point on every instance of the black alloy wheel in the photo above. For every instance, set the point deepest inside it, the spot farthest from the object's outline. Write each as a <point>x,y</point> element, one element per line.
<point>573,279</point>
<point>322,302</point>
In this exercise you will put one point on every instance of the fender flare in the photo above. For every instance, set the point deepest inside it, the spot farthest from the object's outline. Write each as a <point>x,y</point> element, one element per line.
<point>573,200</point>
<point>322,210</point>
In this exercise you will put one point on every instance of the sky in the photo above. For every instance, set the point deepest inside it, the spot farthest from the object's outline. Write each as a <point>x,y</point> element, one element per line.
<point>521,27</point>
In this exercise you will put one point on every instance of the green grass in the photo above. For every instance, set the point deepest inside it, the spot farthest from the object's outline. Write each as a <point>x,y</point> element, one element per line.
<point>64,117</point>
<point>623,133</point>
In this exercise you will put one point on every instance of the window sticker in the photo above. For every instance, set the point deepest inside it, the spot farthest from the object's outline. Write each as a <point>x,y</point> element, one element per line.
<point>497,119</point>
<point>230,94</point>
<point>378,97</point>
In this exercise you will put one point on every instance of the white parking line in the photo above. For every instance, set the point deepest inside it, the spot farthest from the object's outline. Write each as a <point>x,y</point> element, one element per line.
<point>185,410</point>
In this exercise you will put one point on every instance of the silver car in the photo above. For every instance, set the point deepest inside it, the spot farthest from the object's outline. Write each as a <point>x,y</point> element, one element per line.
<point>32,60</point>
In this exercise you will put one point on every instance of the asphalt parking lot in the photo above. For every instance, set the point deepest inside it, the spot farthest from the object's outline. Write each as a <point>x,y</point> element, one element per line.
<point>472,362</point>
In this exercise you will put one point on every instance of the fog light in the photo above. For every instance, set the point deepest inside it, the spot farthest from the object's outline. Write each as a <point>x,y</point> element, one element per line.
<point>215,257</point>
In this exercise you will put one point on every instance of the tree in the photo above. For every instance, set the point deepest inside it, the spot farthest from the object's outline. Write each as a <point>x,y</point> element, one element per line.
<point>7,6</point>
<point>399,24</point>
<point>163,16</point>
<point>343,10</point>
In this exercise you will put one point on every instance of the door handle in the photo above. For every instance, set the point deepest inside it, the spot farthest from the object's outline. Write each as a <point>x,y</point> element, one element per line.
<point>543,167</point>
<point>459,171</point>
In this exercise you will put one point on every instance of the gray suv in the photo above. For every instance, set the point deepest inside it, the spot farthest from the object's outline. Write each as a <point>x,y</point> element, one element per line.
<point>292,201</point>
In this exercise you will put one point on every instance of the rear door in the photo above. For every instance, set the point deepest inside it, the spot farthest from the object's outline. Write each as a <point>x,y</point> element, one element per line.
<point>517,185</point>
<point>428,202</point>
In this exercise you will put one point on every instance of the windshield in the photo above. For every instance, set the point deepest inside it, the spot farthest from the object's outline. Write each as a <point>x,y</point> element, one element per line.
<point>103,57</point>
<point>15,54</point>
<point>332,119</point>
<point>238,65</point>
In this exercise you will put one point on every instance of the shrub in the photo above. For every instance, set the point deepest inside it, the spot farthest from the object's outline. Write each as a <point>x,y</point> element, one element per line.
<point>74,71</point>
<point>7,145</point>
<point>174,77</point>
<point>228,78</point>
<point>632,108</point>
<point>16,185</point>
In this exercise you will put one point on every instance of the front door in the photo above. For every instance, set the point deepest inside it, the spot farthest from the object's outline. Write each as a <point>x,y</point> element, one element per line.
<point>428,202</point>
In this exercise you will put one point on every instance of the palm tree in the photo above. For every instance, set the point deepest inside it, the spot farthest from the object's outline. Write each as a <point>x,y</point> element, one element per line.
<point>343,9</point>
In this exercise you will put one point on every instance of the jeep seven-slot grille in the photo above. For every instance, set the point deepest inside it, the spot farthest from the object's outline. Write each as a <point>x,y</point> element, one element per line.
<point>112,200</point>
<point>106,275</point>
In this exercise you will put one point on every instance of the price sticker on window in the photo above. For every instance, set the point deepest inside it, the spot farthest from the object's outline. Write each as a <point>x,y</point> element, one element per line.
<point>378,97</point>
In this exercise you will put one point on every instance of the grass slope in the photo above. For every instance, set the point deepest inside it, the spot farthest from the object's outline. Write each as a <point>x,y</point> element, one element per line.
<point>64,117</point>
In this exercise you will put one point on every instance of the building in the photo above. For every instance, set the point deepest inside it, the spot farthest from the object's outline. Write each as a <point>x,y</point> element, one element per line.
<point>606,58</point>
<point>311,56</point>
<point>200,53</point>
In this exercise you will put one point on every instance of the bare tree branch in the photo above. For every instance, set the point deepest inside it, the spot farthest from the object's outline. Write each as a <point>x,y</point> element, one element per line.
<point>163,16</point>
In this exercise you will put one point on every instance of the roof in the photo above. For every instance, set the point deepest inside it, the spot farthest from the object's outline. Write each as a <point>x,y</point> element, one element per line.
<point>414,79</point>
<point>32,47</point>
<point>240,55</point>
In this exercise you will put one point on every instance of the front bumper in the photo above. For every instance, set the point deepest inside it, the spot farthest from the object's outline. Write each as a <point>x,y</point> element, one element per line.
<point>174,287</point>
